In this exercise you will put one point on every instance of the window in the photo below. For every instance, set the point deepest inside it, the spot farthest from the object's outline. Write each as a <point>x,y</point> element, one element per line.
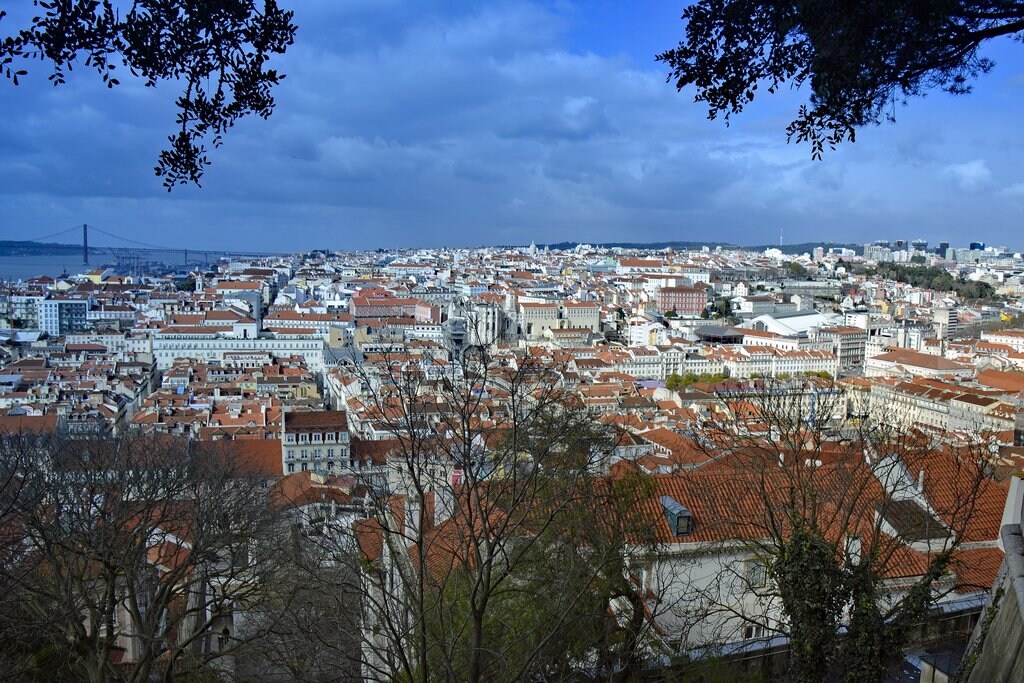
<point>641,574</point>
<point>289,438</point>
<point>751,632</point>
<point>305,467</point>
<point>291,467</point>
<point>756,574</point>
<point>684,525</point>
<point>680,520</point>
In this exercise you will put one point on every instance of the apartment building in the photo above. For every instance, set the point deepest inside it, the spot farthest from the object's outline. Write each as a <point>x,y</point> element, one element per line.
<point>316,441</point>
<point>687,301</point>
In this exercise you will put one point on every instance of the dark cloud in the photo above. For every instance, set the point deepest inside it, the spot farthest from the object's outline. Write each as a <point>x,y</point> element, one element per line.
<point>440,123</point>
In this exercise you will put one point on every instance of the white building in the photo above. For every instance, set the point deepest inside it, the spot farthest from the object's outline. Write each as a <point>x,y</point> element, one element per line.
<point>59,316</point>
<point>209,345</point>
<point>316,441</point>
<point>904,362</point>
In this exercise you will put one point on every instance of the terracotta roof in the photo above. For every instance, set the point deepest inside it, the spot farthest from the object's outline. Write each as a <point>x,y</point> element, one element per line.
<point>976,568</point>
<point>369,538</point>
<point>239,285</point>
<point>28,424</point>
<point>1006,381</point>
<point>920,360</point>
<point>843,330</point>
<point>316,419</point>
<point>373,452</point>
<point>305,488</point>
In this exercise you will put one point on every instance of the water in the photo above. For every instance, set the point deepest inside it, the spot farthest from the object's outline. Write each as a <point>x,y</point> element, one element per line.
<point>24,267</point>
<point>53,265</point>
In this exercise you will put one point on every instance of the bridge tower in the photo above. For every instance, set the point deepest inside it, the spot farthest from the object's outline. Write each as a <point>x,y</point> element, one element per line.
<point>85,244</point>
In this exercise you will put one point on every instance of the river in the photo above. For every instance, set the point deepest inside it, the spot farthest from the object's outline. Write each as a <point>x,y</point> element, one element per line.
<point>53,265</point>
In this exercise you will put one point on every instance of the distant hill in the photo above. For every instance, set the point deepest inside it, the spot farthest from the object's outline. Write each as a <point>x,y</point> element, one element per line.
<point>25,248</point>
<point>800,248</point>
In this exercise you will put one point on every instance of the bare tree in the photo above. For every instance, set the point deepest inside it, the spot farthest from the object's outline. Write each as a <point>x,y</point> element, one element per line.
<point>134,558</point>
<point>309,619</point>
<point>497,547</point>
<point>856,523</point>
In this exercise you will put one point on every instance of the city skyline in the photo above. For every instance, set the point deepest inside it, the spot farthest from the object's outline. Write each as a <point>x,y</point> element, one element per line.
<point>103,240</point>
<point>481,125</point>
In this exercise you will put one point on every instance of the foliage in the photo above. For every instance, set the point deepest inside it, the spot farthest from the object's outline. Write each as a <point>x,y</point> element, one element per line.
<point>120,543</point>
<point>186,285</point>
<point>217,51</point>
<point>938,279</point>
<point>975,647</point>
<point>308,620</point>
<point>541,625</point>
<point>675,381</point>
<point>723,307</point>
<point>825,533</point>
<point>514,568</point>
<point>859,59</point>
<point>809,583</point>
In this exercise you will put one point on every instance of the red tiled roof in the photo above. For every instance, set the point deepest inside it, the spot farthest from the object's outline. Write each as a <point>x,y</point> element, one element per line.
<point>316,419</point>
<point>920,360</point>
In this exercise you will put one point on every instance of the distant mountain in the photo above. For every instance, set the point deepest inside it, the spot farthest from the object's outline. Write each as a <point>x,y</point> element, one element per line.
<point>800,248</point>
<point>25,248</point>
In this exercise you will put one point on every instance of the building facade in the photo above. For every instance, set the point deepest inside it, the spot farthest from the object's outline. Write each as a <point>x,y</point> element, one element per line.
<point>316,441</point>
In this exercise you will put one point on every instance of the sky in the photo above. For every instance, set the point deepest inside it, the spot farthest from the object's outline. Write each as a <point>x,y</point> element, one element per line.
<point>457,123</point>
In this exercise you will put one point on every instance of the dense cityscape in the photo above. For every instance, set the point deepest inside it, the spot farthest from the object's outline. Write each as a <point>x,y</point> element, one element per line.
<point>426,423</point>
<point>298,385</point>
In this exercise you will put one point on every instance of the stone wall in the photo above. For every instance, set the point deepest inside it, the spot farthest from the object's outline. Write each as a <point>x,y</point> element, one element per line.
<point>996,651</point>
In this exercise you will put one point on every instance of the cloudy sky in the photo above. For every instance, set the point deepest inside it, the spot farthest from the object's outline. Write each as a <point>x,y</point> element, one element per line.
<point>434,123</point>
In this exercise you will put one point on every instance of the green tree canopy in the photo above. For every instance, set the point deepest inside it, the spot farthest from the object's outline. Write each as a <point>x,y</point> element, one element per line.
<point>934,278</point>
<point>859,59</point>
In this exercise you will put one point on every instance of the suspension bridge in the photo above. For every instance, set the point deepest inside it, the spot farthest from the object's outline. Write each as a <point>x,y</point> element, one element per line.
<point>130,252</point>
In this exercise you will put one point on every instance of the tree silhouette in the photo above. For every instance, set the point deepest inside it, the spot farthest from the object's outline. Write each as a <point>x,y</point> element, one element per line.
<point>217,51</point>
<point>846,510</point>
<point>860,59</point>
